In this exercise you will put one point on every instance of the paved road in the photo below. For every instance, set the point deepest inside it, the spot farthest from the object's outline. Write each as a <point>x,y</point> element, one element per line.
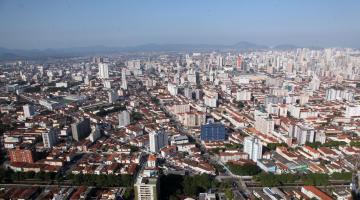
<point>240,190</point>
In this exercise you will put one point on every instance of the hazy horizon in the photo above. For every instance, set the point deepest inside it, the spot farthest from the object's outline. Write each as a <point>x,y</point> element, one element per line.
<point>69,24</point>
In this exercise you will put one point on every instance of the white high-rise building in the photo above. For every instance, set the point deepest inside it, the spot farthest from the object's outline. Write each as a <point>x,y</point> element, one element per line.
<point>95,134</point>
<point>29,110</point>
<point>243,95</point>
<point>210,101</point>
<point>123,79</point>
<point>220,61</point>
<point>173,89</point>
<point>49,138</point>
<point>103,70</point>
<point>158,140</point>
<point>134,64</point>
<point>338,94</point>
<point>146,188</point>
<point>124,118</point>
<point>87,80</point>
<point>304,133</point>
<point>263,122</point>
<point>253,147</point>
<point>314,85</point>
<point>352,110</point>
<point>107,83</point>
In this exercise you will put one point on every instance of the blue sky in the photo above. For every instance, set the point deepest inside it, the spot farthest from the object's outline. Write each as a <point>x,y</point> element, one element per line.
<point>75,23</point>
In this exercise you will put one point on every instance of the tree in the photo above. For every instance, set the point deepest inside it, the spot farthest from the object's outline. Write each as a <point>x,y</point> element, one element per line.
<point>155,100</point>
<point>272,146</point>
<point>314,145</point>
<point>129,193</point>
<point>271,180</point>
<point>134,148</point>
<point>346,176</point>
<point>247,169</point>
<point>334,144</point>
<point>174,185</point>
<point>240,105</point>
<point>170,184</point>
<point>234,146</point>
<point>135,117</point>
<point>316,179</point>
<point>355,143</point>
<point>229,194</point>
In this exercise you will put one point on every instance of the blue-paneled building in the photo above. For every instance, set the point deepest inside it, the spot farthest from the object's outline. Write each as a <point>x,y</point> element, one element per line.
<point>213,132</point>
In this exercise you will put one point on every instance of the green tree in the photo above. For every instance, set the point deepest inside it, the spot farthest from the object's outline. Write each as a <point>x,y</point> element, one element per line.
<point>316,179</point>
<point>135,117</point>
<point>355,143</point>
<point>346,176</point>
<point>247,169</point>
<point>272,146</point>
<point>229,194</point>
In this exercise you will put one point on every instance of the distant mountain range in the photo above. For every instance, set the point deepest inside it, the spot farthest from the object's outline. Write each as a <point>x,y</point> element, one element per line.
<point>12,54</point>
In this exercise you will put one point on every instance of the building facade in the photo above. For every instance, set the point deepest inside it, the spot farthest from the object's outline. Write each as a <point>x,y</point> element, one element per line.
<point>29,110</point>
<point>49,138</point>
<point>253,147</point>
<point>124,118</point>
<point>81,129</point>
<point>103,70</point>
<point>158,140</point>
<point>213,132</point>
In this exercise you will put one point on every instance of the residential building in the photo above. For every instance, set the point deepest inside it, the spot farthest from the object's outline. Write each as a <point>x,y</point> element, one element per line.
<point>304,133</point>
<point>103,70</point>
<point>213,132</point>
<point>29,110</point>
<point>124,84</point>
<point>147,188</point>
<point>253,147</point>
<point>314,192</point>
<point>81,129</point>
<point>50,138</point>
<point>124,118</point>
<point>158,140</point>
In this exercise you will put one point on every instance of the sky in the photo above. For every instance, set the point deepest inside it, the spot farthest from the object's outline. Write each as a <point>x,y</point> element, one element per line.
<point>42,24</point>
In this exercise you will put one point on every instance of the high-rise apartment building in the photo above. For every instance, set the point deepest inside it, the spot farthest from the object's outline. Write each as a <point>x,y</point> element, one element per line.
<point>81,129</point>
<point>339,94</point>
<point>253,147</point>
<point>103,70</point>
<point>158,140</point>
<point>123,79</point>
<point>29,110</point>
<point>112,96</point>
<point>49,138</point>
<point>304,133</point>
<point>263,122</point>
<point>124,118</point>
<point>146,188</point>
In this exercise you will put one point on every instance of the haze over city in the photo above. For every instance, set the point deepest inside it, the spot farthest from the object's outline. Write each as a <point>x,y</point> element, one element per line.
<point>180,100</point>
<point>63,24</point>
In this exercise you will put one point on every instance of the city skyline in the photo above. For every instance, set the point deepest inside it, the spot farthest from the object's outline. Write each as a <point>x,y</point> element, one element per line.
<point>180,100</point>
<point>42,25</point>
